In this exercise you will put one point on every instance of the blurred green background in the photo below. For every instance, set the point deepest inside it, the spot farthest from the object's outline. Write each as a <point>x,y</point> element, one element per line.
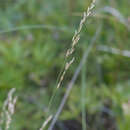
<point>34,37</point>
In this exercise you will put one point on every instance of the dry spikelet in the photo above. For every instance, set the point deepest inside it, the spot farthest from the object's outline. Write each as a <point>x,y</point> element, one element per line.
<point>8,109</point>
<point>75,40</point>
<point>67,65</point>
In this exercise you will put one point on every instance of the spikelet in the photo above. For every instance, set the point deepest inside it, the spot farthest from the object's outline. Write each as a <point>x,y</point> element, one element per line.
<point>67,65</point>
<point>8,110</point>
<point>76,36</point>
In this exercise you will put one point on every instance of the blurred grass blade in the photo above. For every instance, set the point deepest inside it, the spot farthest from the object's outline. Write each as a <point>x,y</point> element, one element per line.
<point>111,50</point>
<point>83,93</point>
<point>37,26</point>
<point>116,14</point>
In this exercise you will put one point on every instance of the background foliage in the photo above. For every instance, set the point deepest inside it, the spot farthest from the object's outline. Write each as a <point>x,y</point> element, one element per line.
<point>34,36</point>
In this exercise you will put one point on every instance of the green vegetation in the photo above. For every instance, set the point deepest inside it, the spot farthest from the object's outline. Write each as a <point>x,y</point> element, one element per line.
<point>34,37</point>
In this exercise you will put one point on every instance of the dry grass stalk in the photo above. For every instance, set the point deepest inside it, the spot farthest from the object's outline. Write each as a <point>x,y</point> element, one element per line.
<point>46,122</point>
<point>75,40</point>
<point>8,109</point>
